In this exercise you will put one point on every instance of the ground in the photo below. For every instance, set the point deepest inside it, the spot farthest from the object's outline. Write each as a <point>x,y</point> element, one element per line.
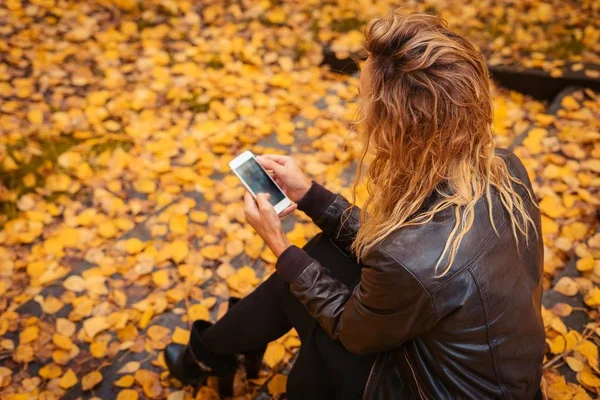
<point>121,222</point>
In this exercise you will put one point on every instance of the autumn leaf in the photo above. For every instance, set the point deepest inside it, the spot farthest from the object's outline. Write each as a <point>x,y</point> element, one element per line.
<point>62,341</point>
<point>566,286</point>
<point>68,380</point>
<point>274,354</point>
<point>124,381</point>
<point>90,380</point>
<point>180,250</point>
<point>134,245</point>
<point>157,332</point>
<point>29,334</point>
<point>129,367</point>
<point>50,371</point>
<point>98,349</point>
<point>575,364</point>
<point>95,325</point>
<point>277,384</point>
<point>180,336</point>
<point>212,252</point>
<point>198,312</point>
<point>178,224</point>
<point>243,280</point>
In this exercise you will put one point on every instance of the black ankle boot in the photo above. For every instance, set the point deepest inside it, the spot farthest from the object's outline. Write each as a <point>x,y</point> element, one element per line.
<point>193,363</point>
<point>183,366</point>
<point>252,358</point>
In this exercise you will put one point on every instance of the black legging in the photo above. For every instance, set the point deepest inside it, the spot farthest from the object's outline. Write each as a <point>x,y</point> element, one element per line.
<point>324,368</point>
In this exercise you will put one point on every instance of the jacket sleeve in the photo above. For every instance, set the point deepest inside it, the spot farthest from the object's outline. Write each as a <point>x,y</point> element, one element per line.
<point>331,212</point>
<point>388,307</point>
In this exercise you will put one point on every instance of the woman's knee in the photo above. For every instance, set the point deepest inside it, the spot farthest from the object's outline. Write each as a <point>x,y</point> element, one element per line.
<point>338,264</point>
<point>322,247</point>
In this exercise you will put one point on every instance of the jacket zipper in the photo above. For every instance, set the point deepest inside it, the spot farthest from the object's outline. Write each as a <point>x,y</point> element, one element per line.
<point>369,379</point>
<point>421,395</point>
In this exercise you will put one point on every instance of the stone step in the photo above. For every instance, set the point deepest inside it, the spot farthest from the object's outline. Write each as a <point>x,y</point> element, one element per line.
<point>536,83</point>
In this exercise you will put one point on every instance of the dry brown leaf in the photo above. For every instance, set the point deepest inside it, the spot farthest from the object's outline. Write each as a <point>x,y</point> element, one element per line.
<point>566,286</point>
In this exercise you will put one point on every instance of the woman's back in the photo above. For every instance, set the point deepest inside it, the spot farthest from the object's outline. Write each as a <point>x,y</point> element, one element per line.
<point>489,335</point>
<point>474,331</point>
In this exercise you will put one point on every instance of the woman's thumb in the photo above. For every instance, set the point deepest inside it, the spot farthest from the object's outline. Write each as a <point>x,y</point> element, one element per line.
<point>272,165</point>
<point>262,199</point>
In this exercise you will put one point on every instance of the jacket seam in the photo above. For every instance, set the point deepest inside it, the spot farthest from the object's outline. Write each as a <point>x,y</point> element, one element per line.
<point>302,273</point>
<point>380,369</point>
<point>469,263</point>
<point>321,217</point>
<point>435,313</point>
<point>490,340</point>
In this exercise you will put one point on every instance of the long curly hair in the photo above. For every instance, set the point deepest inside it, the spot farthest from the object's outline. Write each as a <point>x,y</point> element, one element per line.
<point>427,127</point>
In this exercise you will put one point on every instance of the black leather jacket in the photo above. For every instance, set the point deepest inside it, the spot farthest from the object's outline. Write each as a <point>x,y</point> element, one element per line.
<point>475,333</point>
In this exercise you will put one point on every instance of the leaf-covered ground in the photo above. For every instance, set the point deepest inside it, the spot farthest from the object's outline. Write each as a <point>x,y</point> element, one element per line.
<point>121,223</point>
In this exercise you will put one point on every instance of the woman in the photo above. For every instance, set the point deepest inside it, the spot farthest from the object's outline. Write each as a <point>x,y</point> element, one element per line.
<point>433,289</point>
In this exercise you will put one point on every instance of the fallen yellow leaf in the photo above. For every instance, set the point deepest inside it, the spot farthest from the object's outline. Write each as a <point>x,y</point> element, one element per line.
<point>157,332</point>
<point>197,312</point>
<point>277,384</point>
<point>129,367</point>
<point>179,250</point>
<point>181,336</point>
<point>212,252</point>
<point>274,354</point>
<point>134,245</point>
<point>178,224</point>
<point>90,380</point>
<point>68,380</point>
<point>50,371</point>
<point>98,349</point>
<point>61,341</point>
<point>127,394</point>
<point>566,286</point>
<point>125,381</point>
<point>29,334</point>
<point>93,326</point>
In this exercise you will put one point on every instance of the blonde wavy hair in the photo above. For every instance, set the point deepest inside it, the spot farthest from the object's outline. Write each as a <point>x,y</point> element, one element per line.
<point>427,122</point>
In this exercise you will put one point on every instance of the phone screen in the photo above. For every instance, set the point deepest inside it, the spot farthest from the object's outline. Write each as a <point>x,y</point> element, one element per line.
<point>258,180</point>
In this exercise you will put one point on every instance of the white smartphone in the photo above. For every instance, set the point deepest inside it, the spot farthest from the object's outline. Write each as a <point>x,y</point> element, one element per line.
<point>257,180</point>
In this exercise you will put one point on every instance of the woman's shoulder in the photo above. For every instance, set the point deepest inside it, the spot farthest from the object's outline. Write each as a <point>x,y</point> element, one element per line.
<point>513,163</point>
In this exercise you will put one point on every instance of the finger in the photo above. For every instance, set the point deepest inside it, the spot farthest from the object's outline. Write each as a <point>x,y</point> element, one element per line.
<point>279,159</point>
<point>262,200</point>
<point>250,207</point>
<point>272,165</point>
<point>288,210</point>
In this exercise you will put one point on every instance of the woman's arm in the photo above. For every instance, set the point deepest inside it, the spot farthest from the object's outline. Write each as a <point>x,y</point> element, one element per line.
<point>336,217</point>
<point>326,209</point>
<point>388,307</point>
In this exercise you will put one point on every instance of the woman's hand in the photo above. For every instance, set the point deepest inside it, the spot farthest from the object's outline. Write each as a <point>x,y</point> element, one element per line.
<point>261,215</point>
<point>287,174</point>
